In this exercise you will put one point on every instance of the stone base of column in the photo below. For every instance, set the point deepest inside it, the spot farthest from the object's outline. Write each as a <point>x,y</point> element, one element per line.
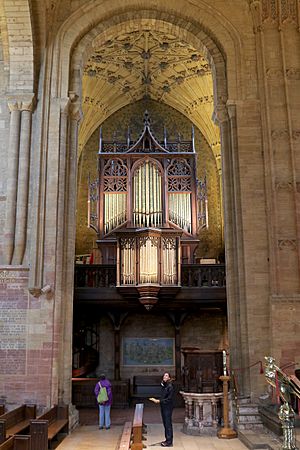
<point>227,433</point>
<point>73,417</point>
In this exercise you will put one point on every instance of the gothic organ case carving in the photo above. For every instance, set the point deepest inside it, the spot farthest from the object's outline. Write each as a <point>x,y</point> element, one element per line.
<point>146,206</point>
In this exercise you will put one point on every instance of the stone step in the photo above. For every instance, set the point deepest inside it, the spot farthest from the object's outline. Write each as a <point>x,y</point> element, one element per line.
<point>248,409</point>
<point>248,417</point>
<point>259,439</point>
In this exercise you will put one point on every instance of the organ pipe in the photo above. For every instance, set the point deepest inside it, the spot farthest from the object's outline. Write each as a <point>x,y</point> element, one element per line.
<point>114,211</point>
<point>147,203</point>
<point>180,210</point>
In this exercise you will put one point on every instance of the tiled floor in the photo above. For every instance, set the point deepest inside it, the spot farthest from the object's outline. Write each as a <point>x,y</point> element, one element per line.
<point>89,437</point>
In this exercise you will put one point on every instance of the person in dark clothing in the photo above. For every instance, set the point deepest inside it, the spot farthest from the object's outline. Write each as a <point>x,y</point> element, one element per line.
<point>166,407</point>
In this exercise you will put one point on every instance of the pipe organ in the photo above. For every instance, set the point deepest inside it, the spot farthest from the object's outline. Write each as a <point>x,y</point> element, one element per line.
<point>145,209</point>
<point>147,201</point>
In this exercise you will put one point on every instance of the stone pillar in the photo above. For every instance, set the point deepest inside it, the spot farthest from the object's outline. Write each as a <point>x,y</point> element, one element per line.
<point>225,116</point>
<point>69,123</point>
<point>23,182</point>
<point>12,179</point>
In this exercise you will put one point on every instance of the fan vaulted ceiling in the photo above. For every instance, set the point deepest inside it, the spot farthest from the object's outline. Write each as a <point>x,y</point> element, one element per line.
<point>146,64</point>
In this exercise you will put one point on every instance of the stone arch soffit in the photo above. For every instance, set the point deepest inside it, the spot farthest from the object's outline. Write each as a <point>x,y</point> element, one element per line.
<point>12,37</point>
<point>206,29</point>
<point>85,46</point>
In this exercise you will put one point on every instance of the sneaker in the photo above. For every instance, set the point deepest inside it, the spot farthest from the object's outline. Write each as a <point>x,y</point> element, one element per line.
<point>166,444</point>
<point>107,428</point>
<point>100,428</point>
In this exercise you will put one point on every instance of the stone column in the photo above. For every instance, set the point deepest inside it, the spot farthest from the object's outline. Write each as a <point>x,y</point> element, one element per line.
<point>69,122</point>
<point>12,179</point>
<point>225,116</point>
<point>23,182</point>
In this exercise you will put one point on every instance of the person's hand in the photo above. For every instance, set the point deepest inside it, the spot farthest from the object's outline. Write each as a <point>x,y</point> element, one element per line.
<point>154,400</point>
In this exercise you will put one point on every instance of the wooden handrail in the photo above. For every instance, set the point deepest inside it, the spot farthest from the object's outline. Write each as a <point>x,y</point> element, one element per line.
<point>192,275</point>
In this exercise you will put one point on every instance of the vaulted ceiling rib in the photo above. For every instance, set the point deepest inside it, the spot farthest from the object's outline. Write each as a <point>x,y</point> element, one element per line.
<point>147,64</point>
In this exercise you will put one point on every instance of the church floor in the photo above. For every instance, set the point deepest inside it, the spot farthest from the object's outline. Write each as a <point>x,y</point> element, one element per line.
<point>89,437</point>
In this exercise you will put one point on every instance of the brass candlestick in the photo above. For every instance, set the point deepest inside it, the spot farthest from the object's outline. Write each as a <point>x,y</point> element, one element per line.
<point>226,432</point>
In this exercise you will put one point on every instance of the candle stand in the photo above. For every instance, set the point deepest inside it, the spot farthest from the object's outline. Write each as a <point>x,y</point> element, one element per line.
<point>226,432</point>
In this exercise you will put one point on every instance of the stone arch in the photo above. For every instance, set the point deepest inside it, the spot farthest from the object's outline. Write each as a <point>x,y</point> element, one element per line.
<point>220,39</point>
<point>20,62</point>
<point>192,34</point>
<point>206,30</point>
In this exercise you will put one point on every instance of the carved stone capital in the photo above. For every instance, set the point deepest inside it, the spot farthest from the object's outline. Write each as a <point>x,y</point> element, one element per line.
<point>281,185</point>
<point>65,105</point>
<point>35,292</point>
<point>279,134</point>
<point>231,109</point>
<point>287,244</point>
<point>75,106</point>
<point>21,102</point>
<point>220,114</point>
<point>293,73</point>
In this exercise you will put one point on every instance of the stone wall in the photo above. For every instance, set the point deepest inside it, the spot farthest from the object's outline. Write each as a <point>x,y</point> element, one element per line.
<point>27,346</point>
<point>202,330</point>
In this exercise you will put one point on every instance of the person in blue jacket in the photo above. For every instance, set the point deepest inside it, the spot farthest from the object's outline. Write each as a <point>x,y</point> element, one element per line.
<point>166,407</point>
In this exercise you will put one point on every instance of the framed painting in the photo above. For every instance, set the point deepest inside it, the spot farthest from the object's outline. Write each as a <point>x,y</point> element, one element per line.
<point>148,351</point>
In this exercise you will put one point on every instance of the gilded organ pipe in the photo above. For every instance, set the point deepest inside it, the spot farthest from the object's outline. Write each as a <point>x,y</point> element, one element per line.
<point>147,196</point>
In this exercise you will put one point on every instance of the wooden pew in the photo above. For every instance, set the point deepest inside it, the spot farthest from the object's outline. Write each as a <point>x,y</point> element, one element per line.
<point>47,427</point>
<point>126,437</point>
<point>16,421</point>
<point>137,427</point>
<point>17,442</point>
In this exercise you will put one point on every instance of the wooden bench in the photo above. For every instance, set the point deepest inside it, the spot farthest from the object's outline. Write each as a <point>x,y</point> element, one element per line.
<point>16,421</point>
<point>138,427</point>
<point>47,427</point>
<point>17,442</point>
<point>126,437</point>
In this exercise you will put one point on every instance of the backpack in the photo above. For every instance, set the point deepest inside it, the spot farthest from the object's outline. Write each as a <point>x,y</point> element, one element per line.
<point>102,397</point>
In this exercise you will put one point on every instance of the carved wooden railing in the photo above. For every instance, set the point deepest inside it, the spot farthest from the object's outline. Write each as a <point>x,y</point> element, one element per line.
<point>95,275</point>
<point>192,275</point>
<point>203,275</point>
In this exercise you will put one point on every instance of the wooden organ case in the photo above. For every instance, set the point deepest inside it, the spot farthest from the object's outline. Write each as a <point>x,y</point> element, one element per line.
<point>144,209</point>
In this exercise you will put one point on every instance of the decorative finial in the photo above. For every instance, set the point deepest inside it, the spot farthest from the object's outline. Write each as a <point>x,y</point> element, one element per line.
<point>128,137</point>
<point>146,119</point>
<point>100,140</point>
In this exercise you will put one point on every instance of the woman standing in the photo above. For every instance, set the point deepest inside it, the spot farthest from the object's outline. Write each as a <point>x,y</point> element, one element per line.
<point>166,407</point>
<point>104,407</point>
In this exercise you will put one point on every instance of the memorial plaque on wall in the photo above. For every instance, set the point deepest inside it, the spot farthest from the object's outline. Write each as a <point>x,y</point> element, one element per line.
<point>13,319</point>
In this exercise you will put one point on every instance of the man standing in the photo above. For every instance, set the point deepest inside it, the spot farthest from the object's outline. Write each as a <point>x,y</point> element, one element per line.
<point>166,406</point>
<point>104,407</point>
